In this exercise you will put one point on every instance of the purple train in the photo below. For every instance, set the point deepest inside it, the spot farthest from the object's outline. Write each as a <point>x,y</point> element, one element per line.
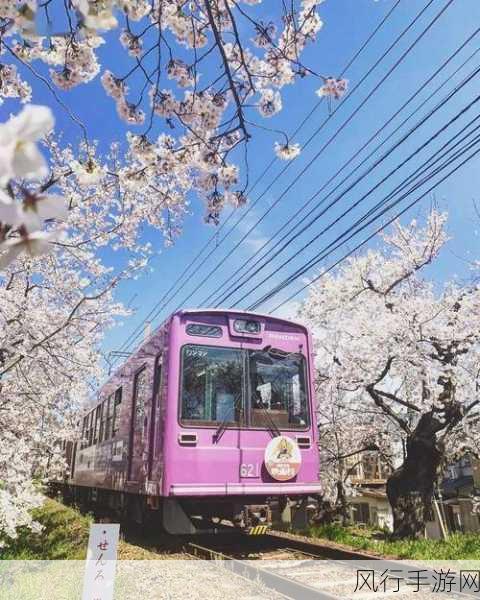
<point>211,418</point>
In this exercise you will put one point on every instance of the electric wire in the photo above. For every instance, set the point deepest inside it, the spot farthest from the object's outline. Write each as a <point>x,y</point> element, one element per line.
<point>321,255</point>
<point>322,149</point>
<point>329,250</point>
<point>325,252</point>
<point>412,130</point>
<point>372,235</point>
<point>155,311</point>
<point>220,295</point>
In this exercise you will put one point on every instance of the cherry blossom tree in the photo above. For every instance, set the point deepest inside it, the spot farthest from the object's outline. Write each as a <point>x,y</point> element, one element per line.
<point>192,82</point>
<point>347,435</point>
<point>203,70</point>
<point>408,351</point>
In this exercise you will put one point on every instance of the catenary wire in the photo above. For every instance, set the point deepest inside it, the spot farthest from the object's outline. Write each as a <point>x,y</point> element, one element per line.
<point>412,130</point>
<point>220,295</point>
<point>155,310</point>
<point>321,255</point>
<point>376,232</point>
<point>329,250</point>
<point>324,147</point>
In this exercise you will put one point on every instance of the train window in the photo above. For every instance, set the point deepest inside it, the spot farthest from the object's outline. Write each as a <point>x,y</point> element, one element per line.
<point>278,389</point>
<point>84,441</point>
<point>108,411</point>
<point>103,418</point>
<point>157,380</point>
<point>97,424</point>
<point>204,330</point>
<point>116,411</point>
<point>141,391</point>
<point>90,428</point>
<point>212,384</point>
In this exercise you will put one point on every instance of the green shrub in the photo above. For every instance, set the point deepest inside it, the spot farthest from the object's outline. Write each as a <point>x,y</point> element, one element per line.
<point>456,547</point>
<point>64,535</point>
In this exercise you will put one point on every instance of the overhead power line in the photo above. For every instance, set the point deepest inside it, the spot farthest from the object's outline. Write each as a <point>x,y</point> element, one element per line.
<point>326,144</point>
<point>165,299</point>
<point>219,296</point>
<point>376,232</point>
<point>385,178</point>
<point>351,232</point>
<point>383,204</point>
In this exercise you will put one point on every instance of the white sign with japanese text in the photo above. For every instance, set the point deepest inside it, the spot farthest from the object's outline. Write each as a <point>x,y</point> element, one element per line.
<point>101,562</point>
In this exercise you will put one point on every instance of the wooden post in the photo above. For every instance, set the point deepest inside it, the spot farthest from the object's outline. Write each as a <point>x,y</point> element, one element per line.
<point>441,521</point>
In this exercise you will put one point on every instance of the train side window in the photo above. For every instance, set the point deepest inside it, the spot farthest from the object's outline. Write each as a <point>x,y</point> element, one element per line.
<point>116,411</point>
<point>157,380</point>
<point>141,393</point>
<point>108,412</point>
<point>97,424</point>
<point>103,416</point>
<point>84,440</point>
<point>90,428</point>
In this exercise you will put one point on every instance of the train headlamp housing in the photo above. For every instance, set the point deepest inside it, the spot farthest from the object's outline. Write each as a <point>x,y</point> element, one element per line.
<point>246,326</point>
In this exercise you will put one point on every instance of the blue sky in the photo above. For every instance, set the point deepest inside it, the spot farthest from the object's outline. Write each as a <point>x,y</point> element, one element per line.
<point>347,23</point>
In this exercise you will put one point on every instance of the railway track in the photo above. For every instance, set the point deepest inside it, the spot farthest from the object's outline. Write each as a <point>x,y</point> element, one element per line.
<point>294,568</point>
<point>289,565</point>
<point>283,585</point>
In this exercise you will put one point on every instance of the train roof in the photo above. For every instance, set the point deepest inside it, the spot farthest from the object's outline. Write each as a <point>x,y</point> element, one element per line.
<point>237,312</point>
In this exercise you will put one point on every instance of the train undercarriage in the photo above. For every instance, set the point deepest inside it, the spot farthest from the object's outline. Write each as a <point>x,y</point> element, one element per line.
<point>188,516</point>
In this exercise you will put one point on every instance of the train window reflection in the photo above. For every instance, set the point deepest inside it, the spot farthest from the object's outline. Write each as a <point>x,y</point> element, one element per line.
<point>278,390</point>
<point>211,384</point>
<point>214,383</point>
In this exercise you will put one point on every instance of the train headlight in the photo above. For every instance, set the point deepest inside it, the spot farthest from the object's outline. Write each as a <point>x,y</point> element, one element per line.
<point>244,326</point>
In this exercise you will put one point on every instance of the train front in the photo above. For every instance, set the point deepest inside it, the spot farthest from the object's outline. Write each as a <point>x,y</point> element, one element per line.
<point>240,435</point>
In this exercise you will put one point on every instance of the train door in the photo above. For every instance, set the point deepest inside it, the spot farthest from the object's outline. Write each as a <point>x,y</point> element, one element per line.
<point>154,415</point>
<point>138,443</point>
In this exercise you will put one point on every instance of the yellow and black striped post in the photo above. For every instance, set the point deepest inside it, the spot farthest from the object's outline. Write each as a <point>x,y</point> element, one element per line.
<point>258,530</point>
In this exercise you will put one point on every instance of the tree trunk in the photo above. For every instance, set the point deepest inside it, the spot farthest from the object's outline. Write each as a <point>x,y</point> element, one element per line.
<point>341,504</point>
<point>410,487</point>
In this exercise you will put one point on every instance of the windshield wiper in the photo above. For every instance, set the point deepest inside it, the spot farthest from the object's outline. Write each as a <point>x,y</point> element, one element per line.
<point>224,424</point>
<point>273,429</point>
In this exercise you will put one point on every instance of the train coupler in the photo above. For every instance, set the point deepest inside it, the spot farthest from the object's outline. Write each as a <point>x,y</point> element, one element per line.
<point>254,519</point>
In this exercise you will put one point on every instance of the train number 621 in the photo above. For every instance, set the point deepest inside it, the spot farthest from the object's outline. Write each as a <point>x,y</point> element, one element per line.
<point>249,470</point>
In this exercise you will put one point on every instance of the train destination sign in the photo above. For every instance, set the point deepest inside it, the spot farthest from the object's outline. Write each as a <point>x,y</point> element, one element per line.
<point>282,458</point>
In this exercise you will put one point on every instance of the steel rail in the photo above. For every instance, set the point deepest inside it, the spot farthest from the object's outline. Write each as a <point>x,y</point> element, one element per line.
<point>288,588</point>
<point>291,588</point>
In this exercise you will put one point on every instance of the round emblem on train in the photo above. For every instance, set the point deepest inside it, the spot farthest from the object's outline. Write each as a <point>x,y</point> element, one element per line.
<point>282,458</point>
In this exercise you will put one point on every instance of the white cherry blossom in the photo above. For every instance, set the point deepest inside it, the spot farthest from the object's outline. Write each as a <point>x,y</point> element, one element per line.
<point>287,151</point>
<point>34,244</point>
<point>19,154</point>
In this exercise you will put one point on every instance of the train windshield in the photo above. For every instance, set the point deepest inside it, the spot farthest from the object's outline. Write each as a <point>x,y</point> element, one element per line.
<point>212,386</point>
<point>248,388</point>
<point>278,390</point>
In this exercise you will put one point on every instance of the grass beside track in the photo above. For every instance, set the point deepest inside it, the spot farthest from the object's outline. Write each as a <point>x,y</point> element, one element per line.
<point>458,546</point>
<point>64,537</point>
